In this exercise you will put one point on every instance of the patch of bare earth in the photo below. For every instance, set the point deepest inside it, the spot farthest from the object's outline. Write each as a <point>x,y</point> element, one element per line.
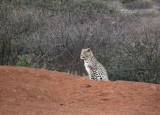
<point>26,91</point>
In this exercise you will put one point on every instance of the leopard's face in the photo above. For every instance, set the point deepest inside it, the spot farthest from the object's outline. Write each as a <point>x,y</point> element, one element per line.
<point>86,54</point>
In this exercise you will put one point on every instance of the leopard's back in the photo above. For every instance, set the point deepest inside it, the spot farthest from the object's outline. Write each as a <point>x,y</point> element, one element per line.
<point>95,70</point>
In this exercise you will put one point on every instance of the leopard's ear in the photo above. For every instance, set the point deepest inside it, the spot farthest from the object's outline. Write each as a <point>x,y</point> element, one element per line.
<point>88,49</point>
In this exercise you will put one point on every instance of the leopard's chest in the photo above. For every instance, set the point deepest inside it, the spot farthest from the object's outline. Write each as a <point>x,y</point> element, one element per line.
<point>88,65</point>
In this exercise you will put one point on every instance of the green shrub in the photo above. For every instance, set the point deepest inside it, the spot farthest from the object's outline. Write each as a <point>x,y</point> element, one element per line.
<point>23,60</point>
<point>127,1</point>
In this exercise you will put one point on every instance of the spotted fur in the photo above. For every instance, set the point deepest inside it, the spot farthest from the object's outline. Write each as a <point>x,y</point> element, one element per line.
<point>95,70</point>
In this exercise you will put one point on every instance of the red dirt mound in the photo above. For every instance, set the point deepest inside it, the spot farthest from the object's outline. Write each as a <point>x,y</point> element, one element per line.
<point>25,91</point>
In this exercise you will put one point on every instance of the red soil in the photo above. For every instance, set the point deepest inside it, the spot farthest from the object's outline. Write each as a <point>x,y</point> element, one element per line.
<point>25,91</point>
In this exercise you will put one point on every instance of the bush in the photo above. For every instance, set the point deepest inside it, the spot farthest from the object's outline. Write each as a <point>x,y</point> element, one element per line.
<point>38,37</point>
<point>138,5</point>
<point>23,60</point>
<point>127,1</point>
<point>157,1</point>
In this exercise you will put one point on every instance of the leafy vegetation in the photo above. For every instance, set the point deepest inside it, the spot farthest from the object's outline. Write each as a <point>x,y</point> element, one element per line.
<point>23,60</point>
<point>50,35</point>
<point>127,1</point>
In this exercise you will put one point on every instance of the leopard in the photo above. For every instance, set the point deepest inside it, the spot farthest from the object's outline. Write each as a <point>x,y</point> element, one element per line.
<point>95,70</point>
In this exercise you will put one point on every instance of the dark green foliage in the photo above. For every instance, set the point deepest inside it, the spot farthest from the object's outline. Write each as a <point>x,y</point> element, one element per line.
<point>127,1</point>
<point>23,60</point>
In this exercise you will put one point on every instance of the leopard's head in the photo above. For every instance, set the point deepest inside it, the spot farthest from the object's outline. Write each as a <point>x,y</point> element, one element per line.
<point>86,54</point>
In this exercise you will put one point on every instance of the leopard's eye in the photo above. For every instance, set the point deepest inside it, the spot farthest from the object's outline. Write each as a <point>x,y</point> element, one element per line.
<point>88,50</point>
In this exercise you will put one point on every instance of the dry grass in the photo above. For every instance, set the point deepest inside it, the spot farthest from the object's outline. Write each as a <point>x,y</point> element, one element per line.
<point>125,43</point>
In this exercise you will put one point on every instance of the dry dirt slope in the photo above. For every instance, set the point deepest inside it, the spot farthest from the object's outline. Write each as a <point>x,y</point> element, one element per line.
<point>25,91</point>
